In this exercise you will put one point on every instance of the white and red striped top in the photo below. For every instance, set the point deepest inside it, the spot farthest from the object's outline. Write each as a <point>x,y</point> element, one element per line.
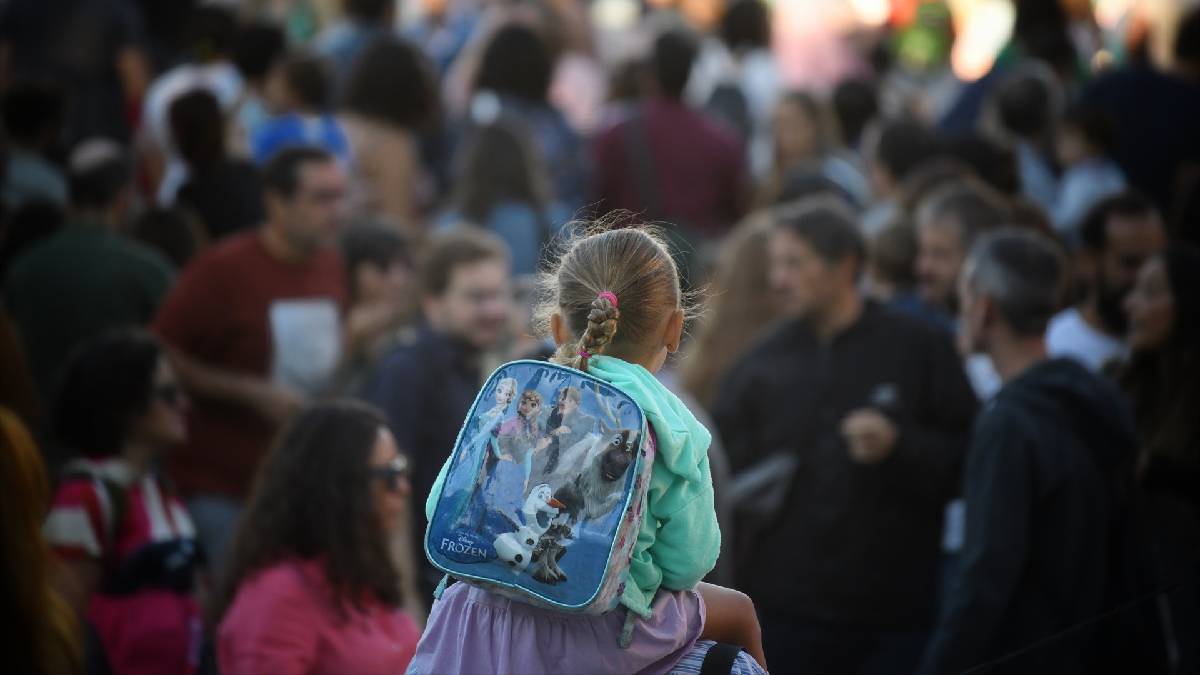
<point>80,523</point>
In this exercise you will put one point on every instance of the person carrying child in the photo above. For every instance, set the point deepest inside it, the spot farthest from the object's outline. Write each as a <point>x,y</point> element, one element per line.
<point>667,618</point>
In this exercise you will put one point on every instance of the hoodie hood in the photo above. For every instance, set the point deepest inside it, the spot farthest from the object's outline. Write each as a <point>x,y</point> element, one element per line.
<point>682,440</point>
<point>1061,392</point>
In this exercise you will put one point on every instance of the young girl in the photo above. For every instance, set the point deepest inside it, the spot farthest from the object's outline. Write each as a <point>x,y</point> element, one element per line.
<point>664,609</point>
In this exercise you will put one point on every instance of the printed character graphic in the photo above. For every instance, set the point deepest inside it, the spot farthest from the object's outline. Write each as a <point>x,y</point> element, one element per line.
<point>506,391</point>
<point>569,429</point>
<point>593,493</point>
<point>515,549</point>
<point>505,472</point>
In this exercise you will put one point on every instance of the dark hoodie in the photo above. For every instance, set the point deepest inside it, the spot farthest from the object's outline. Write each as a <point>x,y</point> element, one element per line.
<point>1045,483</point>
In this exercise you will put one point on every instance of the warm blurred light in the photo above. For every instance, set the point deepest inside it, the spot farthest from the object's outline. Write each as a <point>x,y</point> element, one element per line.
<point>809,43</point>
<point>983,27</point>
<point>615,14</point>
<point>1110,12</point>
<point>1102,61</point>
<point>872,12</point>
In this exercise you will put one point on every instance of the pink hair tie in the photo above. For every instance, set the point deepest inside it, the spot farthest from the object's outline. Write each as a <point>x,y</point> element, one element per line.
<point>584,354</point>
<point>608,295</point>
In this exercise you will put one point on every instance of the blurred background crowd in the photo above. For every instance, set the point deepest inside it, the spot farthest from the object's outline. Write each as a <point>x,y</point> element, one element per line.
<point>240,239</point>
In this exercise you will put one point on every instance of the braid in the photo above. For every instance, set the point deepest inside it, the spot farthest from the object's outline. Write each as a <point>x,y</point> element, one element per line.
<point>601,328</point>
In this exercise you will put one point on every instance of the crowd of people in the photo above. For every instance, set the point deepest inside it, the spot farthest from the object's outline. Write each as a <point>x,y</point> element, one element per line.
<point>257,259</point>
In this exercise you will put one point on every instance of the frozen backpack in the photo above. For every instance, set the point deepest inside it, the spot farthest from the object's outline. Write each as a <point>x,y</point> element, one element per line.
<point>544,494</point>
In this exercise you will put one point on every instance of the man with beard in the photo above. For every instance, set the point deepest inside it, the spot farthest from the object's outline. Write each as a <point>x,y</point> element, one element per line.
<point>948,222</point>
<point>874,411</point>
<point>1118,235</point>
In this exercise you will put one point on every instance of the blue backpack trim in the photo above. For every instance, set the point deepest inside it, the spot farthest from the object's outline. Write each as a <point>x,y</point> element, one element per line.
<point>475,478</point>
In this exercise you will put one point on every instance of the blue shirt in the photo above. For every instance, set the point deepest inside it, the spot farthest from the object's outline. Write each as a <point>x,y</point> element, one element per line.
<point>294,129</point>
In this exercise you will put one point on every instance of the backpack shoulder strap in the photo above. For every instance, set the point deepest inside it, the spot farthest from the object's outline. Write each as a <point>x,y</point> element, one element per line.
<point>114,493</point>
<point>720,659</point>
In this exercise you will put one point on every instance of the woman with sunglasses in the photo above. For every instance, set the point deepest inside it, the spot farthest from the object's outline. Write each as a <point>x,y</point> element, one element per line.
<point>312,585</point>
<point>129,558</point>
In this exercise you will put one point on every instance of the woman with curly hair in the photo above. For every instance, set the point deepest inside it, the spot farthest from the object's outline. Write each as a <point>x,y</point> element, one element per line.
<point>312,587</point>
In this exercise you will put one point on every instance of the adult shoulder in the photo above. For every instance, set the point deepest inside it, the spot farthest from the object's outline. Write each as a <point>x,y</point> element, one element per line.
<point>906,328</point>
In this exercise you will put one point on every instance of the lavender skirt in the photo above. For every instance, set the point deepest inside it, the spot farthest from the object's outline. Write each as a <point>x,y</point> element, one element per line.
<point>473,632</point>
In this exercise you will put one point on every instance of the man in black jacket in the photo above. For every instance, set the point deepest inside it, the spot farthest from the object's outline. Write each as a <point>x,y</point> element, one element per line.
<point>1047,472</point>
<point>874,410</point>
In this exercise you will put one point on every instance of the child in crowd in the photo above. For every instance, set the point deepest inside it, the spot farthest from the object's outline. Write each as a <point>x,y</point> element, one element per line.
<point>665,610</point>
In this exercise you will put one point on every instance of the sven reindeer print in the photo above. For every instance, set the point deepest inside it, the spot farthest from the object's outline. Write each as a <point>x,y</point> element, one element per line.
<point>593,494</point>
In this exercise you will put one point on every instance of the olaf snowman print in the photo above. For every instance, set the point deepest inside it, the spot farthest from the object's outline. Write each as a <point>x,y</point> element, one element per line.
<point>515,549</point>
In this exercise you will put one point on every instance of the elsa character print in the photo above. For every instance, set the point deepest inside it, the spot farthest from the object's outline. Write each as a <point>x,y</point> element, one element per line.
<point>506,390</point>
<point>507,468</point>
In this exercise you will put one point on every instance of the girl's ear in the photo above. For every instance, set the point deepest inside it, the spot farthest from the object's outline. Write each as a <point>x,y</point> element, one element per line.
<point>674,332</point>
<point>558,329</point>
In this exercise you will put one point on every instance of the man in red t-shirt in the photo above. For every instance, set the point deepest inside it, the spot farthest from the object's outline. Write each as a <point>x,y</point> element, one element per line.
<point>254,328</point>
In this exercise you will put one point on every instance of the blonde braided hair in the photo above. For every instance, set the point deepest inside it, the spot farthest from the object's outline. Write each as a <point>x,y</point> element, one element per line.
<point>597,267</point>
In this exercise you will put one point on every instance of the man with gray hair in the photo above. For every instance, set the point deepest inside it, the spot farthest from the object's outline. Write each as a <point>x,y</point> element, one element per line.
<point>1049,458</point>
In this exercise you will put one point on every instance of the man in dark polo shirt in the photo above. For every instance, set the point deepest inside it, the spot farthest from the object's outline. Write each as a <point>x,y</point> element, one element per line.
<point>875,410</point>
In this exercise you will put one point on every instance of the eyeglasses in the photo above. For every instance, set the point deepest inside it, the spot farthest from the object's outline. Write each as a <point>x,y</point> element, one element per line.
<point>171,394</point>
<point>391,473</point>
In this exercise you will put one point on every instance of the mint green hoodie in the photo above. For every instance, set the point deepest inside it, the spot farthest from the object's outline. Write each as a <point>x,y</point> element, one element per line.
<point>679,540</point>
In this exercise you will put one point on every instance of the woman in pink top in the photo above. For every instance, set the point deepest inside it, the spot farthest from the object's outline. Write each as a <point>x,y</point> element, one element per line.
<point>312,586</point>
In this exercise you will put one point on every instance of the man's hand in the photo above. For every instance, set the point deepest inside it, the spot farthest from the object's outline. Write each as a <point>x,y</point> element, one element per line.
<point>560,431</point>
<point>277,404</point>
<point>870,435</point>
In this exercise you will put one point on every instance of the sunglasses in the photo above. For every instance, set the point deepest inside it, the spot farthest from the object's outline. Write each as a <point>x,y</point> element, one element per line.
<point>171,394</point>
<point>391,473</point>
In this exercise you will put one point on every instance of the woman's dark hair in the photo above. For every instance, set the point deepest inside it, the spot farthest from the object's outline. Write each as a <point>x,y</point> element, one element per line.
<point>746,25</point>
<point>1164,384</point>
<point>1041,29</point>
<point>498,165</point>
<point>518,62</point>
<point>105,384</point>
<point>257,47</point>
<point>995,164</point>
<point>198,128</point>
<point>372,244</point>
<point>855,104</point>
<point>308,80</point>
<point>391,82</point>
<point>1095,125</point>
<point>311,501</point>
<point>903,145</point>
<point>1025,104</point>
